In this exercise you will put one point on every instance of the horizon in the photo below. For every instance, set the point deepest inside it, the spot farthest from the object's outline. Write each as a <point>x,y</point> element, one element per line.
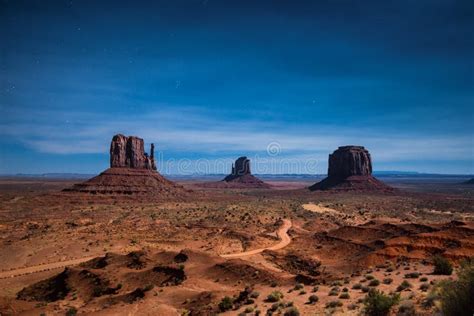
<point>209,81</point>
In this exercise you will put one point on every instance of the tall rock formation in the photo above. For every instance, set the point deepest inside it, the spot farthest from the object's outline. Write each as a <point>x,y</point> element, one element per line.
<point>131,171</point>
<point>240,168</point>
<point>350,168</point>
<point>239,178</point>
<point>129,152</point>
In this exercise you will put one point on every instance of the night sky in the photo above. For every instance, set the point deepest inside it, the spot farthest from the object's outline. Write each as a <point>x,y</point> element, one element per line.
<point>211,80</point>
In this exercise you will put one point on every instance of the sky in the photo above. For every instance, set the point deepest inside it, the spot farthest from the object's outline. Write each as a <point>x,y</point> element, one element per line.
<point>282,82</point>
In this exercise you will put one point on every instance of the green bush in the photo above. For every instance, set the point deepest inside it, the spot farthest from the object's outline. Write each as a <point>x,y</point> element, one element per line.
<point>357,286</point>
<point>274,296</point>
<point>292,311</point>
<point>334,304</point>
<point>412,275</point>
<point>456,297</point>
<point>442,266</point>
<point>374,282</point>
<point>387,281</point>
<point>226,304</point>
<point>424,287</point>
<point>403,286</point>
<point>313,299</point>
<point>407,308</point>
<point>254,294</point>
<point>71,311</point>
<point>344,296</point>
<point>378,304</point>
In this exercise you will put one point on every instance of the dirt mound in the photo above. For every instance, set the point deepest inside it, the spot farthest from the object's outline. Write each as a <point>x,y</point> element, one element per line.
<point>239,270</point>
<point>130,181</point>
<point>294,263</point>
<point>85,283</point>
<point>159,276</point>
<point>375,242</point>
<point>133,260</point>
<point>49,290</point>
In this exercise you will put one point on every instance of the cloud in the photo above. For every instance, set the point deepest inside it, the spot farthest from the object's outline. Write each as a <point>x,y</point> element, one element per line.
<point>199,132</point>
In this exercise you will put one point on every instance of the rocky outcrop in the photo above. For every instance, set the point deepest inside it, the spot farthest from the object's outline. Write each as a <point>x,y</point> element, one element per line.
<point>350,168</point>
<point>240,168</point>
<point>240,177</point>
<point>132,171</point>
<point>349,161</point>
<point>129,152</point>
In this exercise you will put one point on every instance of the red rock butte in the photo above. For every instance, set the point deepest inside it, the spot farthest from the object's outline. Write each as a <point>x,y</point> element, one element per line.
<point>350,168</point>
<point>131,171</point>
<point>240,177</point>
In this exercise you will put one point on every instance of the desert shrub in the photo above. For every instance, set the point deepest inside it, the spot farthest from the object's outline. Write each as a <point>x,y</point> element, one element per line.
<point>302,292</point>
<point>274,284</point>
<point>374,282</point>
<point>376,303</point>
<point>387,281</point>
<point>315,289</point>
<point>313,299</point>
<point>71,311</point>
<point>424,287</point>
<point>149,287</point>
<point>254,294</point>
<point>334,304</point>
<point>274,296</point>
<point>352,307</point>
<point>249,309</point>
<point>423,279</point>
<point>456,297</point>
<point>345,289</point>
<point>298,286</point>
<point>365,289</point>
<point>357,286</point>
<point>226,304</point>
<point>344,296</point>
<point>407,308</point>
<point>292,311</point>
<point>412,275</point>
<point>369,277</point>
<point>333,292</point>
<point>403,286</point>
<point>429,300</point>
<point>442,265</point>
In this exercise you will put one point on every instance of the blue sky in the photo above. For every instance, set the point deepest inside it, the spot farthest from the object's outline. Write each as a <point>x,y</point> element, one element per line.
<point>208,81</point>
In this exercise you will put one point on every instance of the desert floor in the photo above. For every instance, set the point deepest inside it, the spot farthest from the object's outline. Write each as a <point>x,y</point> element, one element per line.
<point>138,255</point>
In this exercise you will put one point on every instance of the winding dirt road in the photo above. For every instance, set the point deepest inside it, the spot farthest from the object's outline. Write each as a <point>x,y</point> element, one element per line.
<point>282,233</point>
<point>42,267</point>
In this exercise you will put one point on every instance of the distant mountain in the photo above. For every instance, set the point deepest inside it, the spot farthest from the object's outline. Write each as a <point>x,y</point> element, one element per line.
<point>470,181</point>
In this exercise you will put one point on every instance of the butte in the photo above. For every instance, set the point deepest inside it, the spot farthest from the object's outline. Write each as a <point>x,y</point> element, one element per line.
<point>240,177</point>
<point>132,171</point>
<point>350,168</point>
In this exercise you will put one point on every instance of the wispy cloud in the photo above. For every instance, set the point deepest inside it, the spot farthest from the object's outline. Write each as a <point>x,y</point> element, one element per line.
<point>190,130</point>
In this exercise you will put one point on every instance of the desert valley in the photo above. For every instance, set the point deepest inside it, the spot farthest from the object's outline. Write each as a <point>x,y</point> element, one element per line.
<point>130,241</point>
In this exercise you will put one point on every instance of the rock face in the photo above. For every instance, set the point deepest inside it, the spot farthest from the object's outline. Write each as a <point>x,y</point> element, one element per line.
<point>131,171</point>
<point>129,152</point>
<point>240,177</point>
<point>240,168</point>
<point>349,161</point>
<point>350,168</point>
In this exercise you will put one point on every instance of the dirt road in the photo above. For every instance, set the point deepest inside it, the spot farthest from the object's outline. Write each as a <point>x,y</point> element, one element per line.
<point>282,233</point>
<point>42,267</point>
